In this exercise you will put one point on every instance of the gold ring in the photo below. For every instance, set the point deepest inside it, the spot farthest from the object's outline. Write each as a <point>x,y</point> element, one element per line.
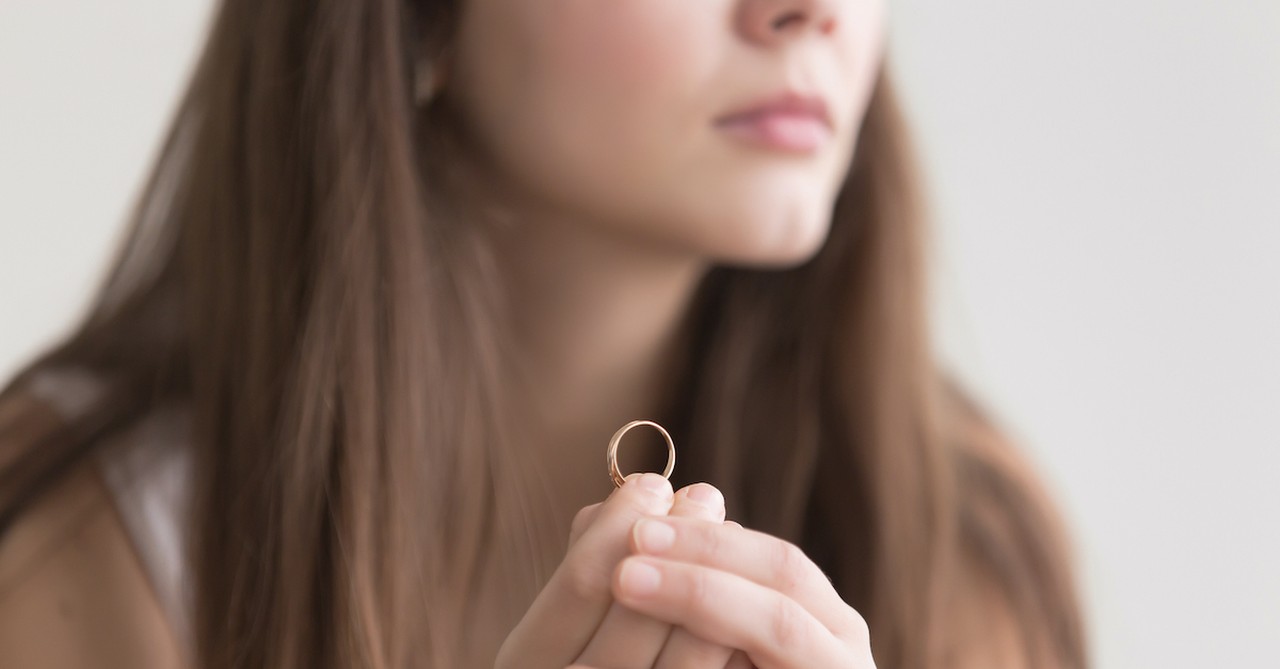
<point>612,455</point>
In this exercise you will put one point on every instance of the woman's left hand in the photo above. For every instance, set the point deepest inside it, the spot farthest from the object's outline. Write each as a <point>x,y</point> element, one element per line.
<point>742,589</point>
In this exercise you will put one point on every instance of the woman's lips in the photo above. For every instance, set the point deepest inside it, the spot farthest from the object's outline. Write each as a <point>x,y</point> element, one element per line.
<point>783,131</point>
<point>787,121</point>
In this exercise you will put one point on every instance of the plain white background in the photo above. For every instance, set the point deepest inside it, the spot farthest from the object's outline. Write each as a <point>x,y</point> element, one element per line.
<point>1105,176</point>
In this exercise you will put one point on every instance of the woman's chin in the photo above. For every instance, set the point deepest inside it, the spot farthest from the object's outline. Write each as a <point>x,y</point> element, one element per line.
<point>773,245</point>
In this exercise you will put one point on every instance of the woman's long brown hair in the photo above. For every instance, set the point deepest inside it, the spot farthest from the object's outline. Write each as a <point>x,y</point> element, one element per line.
<point>292,275</point>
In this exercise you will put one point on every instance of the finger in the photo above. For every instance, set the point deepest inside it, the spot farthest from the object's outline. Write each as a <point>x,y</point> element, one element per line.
<point>626,638</point>
<point>708,497</point>
<point>756,556</point>
<point>774,630</point>
<point>739,661</point>
<point>699,500</point>
<point>582,520</point>
<point>569,608</point>
<point>684,650</point>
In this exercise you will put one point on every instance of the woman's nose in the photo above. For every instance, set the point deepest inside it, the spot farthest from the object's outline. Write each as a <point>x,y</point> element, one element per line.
<point>769,22</point>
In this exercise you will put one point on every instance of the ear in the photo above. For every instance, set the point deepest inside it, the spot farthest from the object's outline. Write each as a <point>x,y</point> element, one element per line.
<point>429,41</point>
<point>429,32</point>
<point>428,79</point>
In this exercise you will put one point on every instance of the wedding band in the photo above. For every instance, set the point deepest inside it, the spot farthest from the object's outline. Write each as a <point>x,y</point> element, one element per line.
<point>612,455</point>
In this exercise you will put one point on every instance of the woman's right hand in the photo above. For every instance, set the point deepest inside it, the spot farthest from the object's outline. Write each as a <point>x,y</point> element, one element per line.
<point>575,620</point>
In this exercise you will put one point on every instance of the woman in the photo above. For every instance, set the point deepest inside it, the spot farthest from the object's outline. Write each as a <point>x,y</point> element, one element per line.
<point>400,272</point>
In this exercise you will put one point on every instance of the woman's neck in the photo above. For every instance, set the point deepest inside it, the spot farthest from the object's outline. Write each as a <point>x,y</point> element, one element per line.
<point>598,318</point>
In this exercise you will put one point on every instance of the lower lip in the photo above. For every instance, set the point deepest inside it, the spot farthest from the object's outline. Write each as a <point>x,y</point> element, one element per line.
<point>795,133</point>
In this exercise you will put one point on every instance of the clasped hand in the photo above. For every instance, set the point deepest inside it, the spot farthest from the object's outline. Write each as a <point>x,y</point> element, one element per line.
<point>655,579</point>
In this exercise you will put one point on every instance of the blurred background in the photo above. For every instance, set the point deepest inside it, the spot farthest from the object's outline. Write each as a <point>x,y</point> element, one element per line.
<point>1105,180</point>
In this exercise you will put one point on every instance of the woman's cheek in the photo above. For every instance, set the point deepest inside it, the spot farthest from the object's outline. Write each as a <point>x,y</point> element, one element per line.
<point>625,95</point>
<point>861,53</point>
<point>632,54</point>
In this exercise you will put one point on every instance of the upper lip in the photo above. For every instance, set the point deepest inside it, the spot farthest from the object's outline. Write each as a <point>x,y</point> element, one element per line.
<point>786,102</point>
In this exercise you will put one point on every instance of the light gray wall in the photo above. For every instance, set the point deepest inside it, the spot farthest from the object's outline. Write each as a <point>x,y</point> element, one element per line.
<point>86,89</point>
<point>1106,178</point>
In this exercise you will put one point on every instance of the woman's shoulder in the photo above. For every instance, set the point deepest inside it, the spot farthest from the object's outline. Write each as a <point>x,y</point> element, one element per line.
<point>74,591</point>
<point>1016,560</point>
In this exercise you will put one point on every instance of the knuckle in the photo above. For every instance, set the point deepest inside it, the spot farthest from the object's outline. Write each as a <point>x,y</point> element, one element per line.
<point>789,565</point>
<point>639,499</point>
<point>698,593</point>
<point>698,653</point>
<point>789,628</point>
<point>585,582</point>
<point>711,544</point>
<point>857,628</point>
<point>581,518</point>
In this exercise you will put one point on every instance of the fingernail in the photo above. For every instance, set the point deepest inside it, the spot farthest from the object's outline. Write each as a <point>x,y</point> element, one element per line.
<point>655,483</point>
<point>654,536</point>
<point>706,494</point>
<point>639,578</point>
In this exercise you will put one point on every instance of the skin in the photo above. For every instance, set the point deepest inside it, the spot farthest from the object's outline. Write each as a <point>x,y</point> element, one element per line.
<point>73,592</point>
<point>656,579</point>
<point>591,126</point>
<point>591,122</point>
